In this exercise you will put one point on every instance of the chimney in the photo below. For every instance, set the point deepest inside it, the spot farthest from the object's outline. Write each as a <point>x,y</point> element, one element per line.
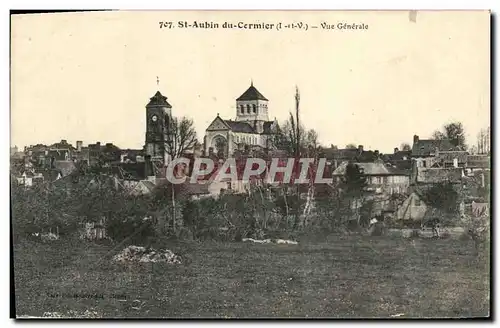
<point>396,150</point>
<point>63,141</point>
<point>415,139</point>
<point>377,154</point>
<point>360,148</point>
<point>98,144</point>
<point>79,146</point>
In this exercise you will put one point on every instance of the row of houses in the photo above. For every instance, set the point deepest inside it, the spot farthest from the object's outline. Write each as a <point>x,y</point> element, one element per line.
<point>404,172</point>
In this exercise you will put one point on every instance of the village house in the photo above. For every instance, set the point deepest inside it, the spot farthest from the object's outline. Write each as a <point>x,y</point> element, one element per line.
<point>336,156</point>
<point>380,178</point>
<point>103,154</point>
<point>478,163</point>
<point>400,159</point>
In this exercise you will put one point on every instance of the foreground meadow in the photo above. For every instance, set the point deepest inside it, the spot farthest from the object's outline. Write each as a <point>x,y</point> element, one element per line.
<point>341,277</point>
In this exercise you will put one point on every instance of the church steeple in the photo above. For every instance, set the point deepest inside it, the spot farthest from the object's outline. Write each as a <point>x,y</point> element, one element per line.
<point>158,100</point>
<point>251,94</point>
<point>251,105</point>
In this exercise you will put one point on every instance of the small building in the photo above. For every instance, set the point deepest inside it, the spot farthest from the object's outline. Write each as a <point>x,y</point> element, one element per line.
<point>380,178</point>
<point>413,208</point>
<point>427,147</point>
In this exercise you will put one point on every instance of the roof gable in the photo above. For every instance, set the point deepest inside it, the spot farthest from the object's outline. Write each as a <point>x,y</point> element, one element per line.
<point>251,94</point>
<point>218,124</point>
<point>158,100</point>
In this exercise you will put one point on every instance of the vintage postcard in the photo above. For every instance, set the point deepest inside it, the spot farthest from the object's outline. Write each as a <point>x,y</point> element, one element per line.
<point>251,164</point>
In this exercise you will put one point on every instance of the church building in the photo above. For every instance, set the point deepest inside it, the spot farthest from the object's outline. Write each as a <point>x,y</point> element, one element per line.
<point>158,117</point>
<point>251,126</point>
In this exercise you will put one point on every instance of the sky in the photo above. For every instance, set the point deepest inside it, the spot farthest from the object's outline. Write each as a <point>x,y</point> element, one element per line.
<point>89,76</point>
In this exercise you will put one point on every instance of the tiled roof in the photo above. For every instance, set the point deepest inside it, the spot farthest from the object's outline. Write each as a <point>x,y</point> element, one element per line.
<point>436,175</point>
<point>251,94</point>
<point>65,167</point>
<point>478,161</point>
<point>400,155</point>
<point>350,154</point>
<point>130,171</point>
<point>428,147</point>
<point>148,184</point>
<point>50,175</point>
<point>449,156</point>
<point>243,127</point>
<point>377,168</point>
<point>57,154</point>
<point>159,100</point>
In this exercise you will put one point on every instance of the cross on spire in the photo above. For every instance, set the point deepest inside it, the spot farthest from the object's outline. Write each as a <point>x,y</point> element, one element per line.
<point>157,81</point>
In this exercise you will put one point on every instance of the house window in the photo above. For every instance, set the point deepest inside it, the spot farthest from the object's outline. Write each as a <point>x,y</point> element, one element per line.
<point>254,109</point>
<point>242,109</point>
<point>248,109</point>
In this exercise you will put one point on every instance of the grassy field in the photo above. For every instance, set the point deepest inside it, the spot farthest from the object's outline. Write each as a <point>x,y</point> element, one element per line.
<point>342,277</point>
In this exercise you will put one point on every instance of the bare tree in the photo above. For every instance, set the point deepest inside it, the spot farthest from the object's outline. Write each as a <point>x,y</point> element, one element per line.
<point>483,141</point>
<point>405,146</point>
<point>312,138</point>
<point>182,137</point>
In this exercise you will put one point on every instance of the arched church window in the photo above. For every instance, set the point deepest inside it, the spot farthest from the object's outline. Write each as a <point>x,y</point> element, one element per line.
<point>248,109</point>
<point>254,109</point>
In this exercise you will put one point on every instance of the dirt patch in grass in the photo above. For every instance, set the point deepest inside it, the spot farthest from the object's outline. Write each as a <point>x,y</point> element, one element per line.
<point>360,277</point>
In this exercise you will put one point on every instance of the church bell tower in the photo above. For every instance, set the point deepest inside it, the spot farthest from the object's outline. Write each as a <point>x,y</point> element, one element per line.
<point>158,117</point>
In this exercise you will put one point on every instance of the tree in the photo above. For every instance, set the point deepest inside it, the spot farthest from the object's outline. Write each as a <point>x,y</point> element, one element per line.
<point>438,135</point>
<point>483,141</point>
<point>353,184</point>
<point>182,137</point>
<point>443,199</point>
<point>405,146</point>
<point>351,146</point>
<point>312,138</point>
<point>286,138</point>
<point>354,179</point>
<point>454,132</point>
